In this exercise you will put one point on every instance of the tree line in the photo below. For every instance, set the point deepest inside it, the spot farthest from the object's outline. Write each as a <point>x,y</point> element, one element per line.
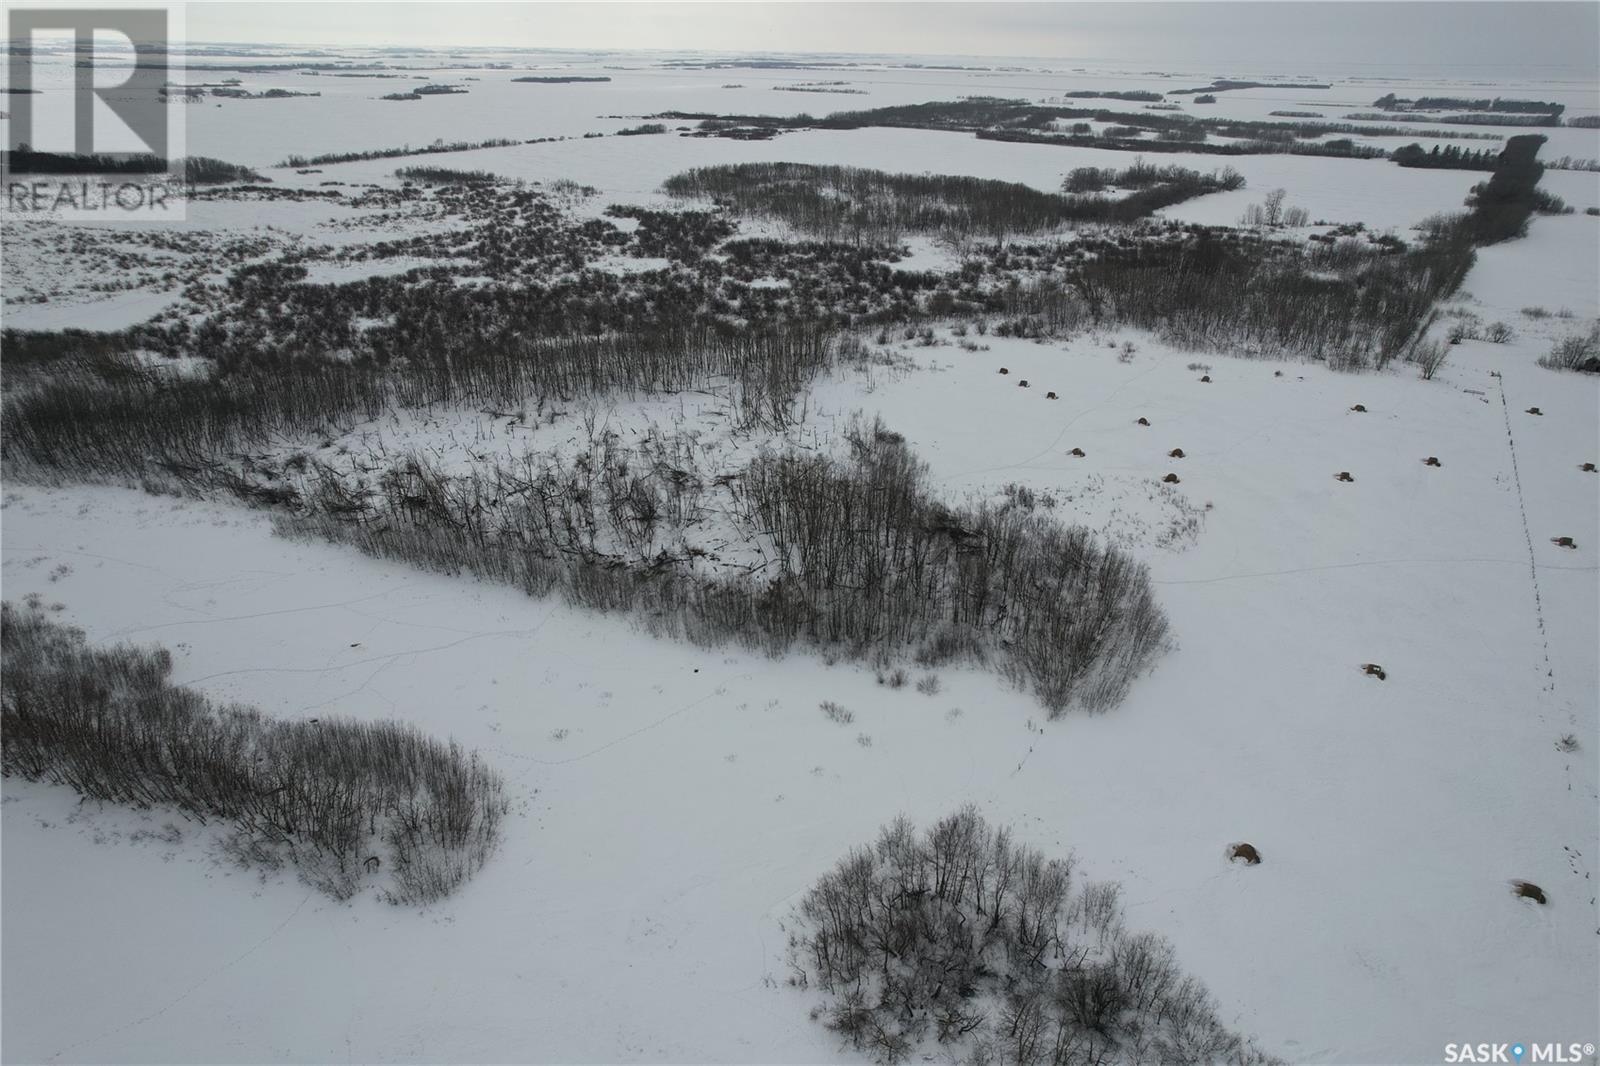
<point>873,206</point>
<point>328,158</point>
<point>346,804</point>
<point>1390,102</point>
<point>1451,158</point>
<point>195,169</point>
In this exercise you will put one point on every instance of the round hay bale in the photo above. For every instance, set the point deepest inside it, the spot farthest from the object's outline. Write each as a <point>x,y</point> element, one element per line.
<point>1529,890</point>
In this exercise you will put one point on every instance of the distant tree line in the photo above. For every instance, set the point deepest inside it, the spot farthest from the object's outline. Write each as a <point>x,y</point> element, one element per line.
<point>25,160</point>
<point>269,94</point>
<point>1568,162</point>
<point>195,169</point>
<point>997,117</point>
<point>1452,157</point>
<point>1469,118</point>
<point>1390,102</point>
<point>329,158</point>
<point>873,206</point>
<point>1113,94</point>
<point>445,175</point>
<point>1125,139</point>
<point>1223,85</point>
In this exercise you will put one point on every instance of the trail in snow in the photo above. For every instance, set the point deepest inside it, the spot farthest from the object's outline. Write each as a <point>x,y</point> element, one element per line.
<point>207,979</point>
<point>1533,565</point>
<point>1369,562</point>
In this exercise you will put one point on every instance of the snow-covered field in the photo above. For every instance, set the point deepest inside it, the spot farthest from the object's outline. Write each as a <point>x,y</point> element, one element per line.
<point>349,114</point>
<point>671,804</point>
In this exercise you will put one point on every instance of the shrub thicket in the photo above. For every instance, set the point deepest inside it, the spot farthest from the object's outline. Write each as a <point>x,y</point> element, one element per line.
<point>864,561</point>
<point>871,559</point>
<point>445,176</point>
<point>989,949</point>
<point>873,206</point>
<point>1142,175</point>
<point>348,804</point>
<point>1578,351</point>
<point>203,170</point>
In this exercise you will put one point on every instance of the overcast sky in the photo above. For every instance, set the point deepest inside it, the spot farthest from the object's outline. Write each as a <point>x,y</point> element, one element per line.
<point>1433,37</point>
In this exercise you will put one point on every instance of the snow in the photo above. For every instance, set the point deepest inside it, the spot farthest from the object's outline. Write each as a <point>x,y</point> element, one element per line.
<point>116,311</point>
<point>624,264</point>
<point>1376,893</point>
<point>1556,266</point>
<point>631,169</point>
<point>338,272</point>
<point>671,803</point>
<point>925,253</point>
